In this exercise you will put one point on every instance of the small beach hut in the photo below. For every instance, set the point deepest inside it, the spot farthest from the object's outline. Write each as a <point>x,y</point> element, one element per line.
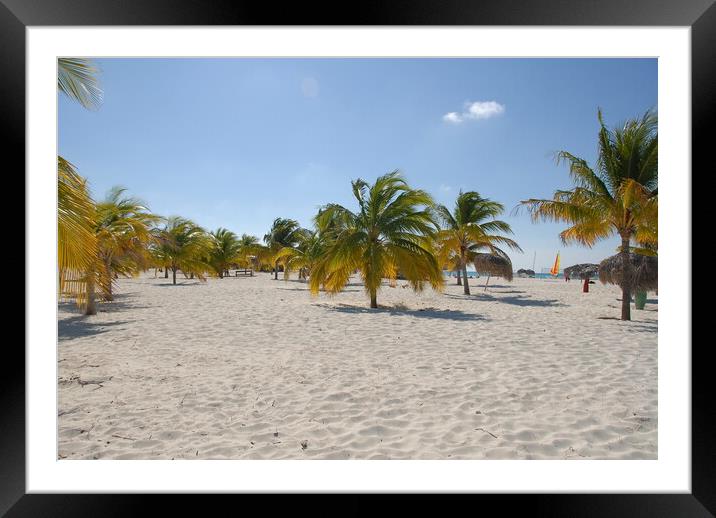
<point>492,264</point>
<point>644,274</point>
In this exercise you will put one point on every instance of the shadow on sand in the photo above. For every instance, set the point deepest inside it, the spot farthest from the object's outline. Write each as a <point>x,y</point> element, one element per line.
<point>80,326</point>
<point>515,300</point>
<point>306,290</point>
<point>121,302</point>
<point>398,311</point>
<point>170,285</point>
<point>636,324</point>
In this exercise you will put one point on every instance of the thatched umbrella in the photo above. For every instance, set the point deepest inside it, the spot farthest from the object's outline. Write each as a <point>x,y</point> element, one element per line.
<point>584,271</point>
<point>493,265</point>
<point>644,275</point>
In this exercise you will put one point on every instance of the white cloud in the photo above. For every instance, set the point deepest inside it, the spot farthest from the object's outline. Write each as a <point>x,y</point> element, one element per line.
<point>475,111</point>
<point>309,87</point>
<point>453,117</point>
<point>445,188</point>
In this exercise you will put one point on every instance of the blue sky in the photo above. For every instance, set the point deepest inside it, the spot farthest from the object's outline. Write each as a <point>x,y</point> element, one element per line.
<point>238,142</point>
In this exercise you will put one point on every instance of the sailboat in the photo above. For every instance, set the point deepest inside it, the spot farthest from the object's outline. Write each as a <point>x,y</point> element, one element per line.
<point>555,268</point>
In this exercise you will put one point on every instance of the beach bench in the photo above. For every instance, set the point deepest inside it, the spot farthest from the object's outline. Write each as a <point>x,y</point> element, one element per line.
<point>244,271</point>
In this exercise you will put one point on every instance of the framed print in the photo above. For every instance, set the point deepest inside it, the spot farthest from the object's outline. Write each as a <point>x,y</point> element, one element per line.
<point>410,251</point>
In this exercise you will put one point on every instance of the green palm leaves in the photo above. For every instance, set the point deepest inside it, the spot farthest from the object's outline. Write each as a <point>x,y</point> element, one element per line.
<point>75,209</point>
<point>98,242</point>
<point>391,232</point>
<point>75,231</point>
<point>619,196</point>
<point>123,234</point>
<point>469,228</point>
<point>183,245</point>
<point>225,250</point>
<point>305,255</point>
<point>77,78</point>
<point>284,233</point>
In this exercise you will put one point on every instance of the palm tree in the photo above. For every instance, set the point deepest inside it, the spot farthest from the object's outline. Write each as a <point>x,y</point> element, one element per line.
<point>253,254</point>
<point>391,232</point>
<point>182,245</point>
<point>225,250</point>
<point>75,209</point>
<point>470,228</point>
<point>309,250</point>
<point>77,242</point>
<point>284,233</point>
<point>123,234</point>
<point>618,197</point>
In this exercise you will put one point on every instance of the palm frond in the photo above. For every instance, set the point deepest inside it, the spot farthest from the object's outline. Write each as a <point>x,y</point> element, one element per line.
<point>77,78</point>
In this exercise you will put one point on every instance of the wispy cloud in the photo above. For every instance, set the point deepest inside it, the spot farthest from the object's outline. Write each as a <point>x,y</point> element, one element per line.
<point>475,111</point>
<point>445,188</point>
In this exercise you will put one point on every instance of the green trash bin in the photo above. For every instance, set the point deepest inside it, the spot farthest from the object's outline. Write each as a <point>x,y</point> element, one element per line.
<point>640,299</point>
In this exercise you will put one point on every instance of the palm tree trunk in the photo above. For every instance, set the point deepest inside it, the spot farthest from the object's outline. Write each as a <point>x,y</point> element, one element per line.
<point>374,299</point>
<point>108,269</point>
<point>91,308</point>
<point>626,280</point>
<point>275,271</point>
<point>466,285</point>
<point>174,275</point>
<point>459,277</point>
<point>166,272</point>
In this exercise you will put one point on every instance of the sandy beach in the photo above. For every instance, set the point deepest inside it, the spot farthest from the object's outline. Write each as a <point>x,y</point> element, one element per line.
<point>256,368</point>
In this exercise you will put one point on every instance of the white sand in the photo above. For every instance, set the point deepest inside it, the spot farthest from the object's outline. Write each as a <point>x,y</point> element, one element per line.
<point>251,367</point>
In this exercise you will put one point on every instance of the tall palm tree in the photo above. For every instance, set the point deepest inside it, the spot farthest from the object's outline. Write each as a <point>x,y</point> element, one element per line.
<point>284,233</point>
<point>470,228</point>
<point>619,196</point>
<point>225,250</point>
<point>182,245</point>
<point>391,232</point>
<point>123,232</point>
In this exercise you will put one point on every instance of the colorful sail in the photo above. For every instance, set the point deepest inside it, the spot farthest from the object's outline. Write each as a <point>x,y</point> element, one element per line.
<point>555,268</point>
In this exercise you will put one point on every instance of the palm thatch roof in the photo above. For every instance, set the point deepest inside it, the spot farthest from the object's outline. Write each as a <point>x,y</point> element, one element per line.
<point>644,275</point>
<point>493,265</point>
<point>583,271</point>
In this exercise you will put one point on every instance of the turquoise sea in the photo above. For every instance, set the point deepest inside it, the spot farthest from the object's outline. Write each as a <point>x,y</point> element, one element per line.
<point>472,274</point>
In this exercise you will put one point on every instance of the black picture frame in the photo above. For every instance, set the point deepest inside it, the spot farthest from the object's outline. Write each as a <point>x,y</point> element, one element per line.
<point>700,15</point>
